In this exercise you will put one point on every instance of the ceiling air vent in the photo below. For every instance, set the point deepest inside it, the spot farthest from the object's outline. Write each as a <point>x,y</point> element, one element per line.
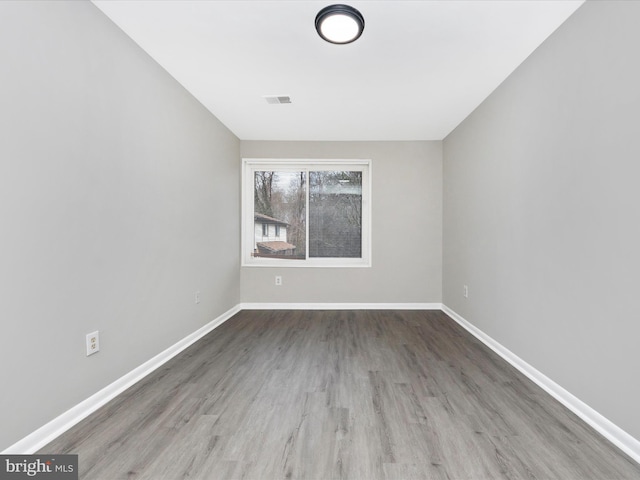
<point>277,99</point>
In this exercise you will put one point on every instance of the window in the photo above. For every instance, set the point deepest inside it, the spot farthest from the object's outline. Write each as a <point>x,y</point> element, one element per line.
<point>320,210</point>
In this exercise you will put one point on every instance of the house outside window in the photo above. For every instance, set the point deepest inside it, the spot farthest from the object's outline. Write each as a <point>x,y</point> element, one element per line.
<point>271,242</point>
<point>302,213</point>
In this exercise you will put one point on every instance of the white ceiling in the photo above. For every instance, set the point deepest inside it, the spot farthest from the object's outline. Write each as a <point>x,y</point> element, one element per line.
<point>418,70</point>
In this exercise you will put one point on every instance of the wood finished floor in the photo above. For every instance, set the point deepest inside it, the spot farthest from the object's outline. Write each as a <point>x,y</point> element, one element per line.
<point>339,394</point>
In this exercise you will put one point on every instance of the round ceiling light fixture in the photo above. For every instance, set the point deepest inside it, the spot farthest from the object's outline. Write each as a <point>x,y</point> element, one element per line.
<point>339,24</point>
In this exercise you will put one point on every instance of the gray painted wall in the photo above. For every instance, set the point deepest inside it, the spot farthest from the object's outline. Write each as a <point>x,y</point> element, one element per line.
<point>541,211</point>
<point>406,224</point>
<point>119,198</point>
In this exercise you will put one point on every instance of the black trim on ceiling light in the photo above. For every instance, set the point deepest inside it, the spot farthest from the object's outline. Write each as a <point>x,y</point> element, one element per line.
<point>339,10</point>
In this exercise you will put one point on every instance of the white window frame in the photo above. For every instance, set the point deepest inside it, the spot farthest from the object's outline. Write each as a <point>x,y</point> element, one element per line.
<point>251,165</point>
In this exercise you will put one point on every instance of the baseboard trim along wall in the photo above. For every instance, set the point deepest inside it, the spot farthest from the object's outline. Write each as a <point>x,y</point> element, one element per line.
<point>613,433</point>
<point>341,306</point>
<point>45,434</point>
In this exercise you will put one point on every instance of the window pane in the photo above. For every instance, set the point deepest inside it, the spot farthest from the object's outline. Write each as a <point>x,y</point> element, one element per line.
<point>335,214</point>
<point>279,214</point>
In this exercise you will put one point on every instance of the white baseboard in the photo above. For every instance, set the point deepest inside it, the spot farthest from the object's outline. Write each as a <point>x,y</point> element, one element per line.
<point>341,306</point>
<point>45,434</point>
<point>613,433</point>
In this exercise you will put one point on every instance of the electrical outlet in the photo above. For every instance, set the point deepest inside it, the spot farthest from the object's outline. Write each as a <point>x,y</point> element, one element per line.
<point>197,297</point>
<point>465,291</point>
<point>93,343</point>
<point>278,280</point>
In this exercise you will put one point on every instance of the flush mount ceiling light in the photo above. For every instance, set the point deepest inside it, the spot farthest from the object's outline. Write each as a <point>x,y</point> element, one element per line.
<point>339,24</point>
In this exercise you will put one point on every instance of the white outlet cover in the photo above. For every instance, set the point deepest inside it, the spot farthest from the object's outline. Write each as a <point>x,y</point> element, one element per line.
<point>93,342</point>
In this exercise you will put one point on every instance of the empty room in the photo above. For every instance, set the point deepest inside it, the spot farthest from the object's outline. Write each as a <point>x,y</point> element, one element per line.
<point>304,240</point>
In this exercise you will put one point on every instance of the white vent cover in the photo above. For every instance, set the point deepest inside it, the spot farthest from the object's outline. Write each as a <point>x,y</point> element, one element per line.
<point>277,99</point>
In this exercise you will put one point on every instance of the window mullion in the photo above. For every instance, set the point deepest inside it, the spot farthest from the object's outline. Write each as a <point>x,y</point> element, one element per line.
<point>306,213</point>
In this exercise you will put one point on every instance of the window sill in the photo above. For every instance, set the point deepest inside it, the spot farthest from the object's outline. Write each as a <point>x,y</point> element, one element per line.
<point>311,263</point>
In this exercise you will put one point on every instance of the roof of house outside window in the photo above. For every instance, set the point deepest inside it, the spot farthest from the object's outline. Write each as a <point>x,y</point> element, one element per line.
<point>276,247</point>
<point>258,217</point>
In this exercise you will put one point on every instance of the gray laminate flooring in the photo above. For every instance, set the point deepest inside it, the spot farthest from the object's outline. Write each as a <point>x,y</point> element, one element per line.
<point>339,394</point>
